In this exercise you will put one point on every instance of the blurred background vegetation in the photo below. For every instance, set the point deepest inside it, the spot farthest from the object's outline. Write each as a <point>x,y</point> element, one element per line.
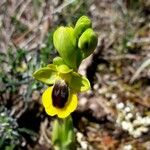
<point>118,71</point>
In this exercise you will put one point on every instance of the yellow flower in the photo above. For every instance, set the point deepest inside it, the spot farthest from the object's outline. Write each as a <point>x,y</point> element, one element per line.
<point>60,98</point>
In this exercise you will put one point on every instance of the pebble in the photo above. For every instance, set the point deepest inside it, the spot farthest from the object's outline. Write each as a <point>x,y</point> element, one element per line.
<point>126,125</point>
<point>120,106</point>
<point>137,134</point>
<point>114,96</point>
<point>127,147</point>
<point>96,86</point>
<point>129,116</point>
<point>127,109</point>
<point>83,101</point>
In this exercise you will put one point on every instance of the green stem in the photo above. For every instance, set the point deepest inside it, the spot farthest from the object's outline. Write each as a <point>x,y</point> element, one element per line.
<point>63,136</point>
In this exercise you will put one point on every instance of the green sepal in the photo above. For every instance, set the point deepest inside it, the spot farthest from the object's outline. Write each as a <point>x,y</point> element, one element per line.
<point>64,69</point>
<point>88,42</point>
<point>65,44</point>
<point>46,75</point>
<point>79,83</point>
<point>82,24</point>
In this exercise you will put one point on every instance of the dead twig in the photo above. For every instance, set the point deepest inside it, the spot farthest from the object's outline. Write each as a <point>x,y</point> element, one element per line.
<point>140,69</point>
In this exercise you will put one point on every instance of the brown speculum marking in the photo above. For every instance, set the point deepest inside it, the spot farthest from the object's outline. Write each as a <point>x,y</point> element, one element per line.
<point>60,94</point>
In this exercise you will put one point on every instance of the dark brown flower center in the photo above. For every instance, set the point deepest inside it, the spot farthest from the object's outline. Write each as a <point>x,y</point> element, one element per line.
<point>60,94</point>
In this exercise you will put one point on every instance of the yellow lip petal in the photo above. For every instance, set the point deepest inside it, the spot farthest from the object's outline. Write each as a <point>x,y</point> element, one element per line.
<point>69,108</point>
<point>51,111</point>
<point>62,113</point>
<point>47,102</point>
<point>73,102</point>
<point>47,98</point>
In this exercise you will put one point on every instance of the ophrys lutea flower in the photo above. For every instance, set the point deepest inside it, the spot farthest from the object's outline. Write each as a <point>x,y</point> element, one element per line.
<point>60,98</point>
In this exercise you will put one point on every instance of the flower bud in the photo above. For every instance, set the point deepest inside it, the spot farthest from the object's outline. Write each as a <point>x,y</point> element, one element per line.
<point>82,24</point>
<point>64,43</point>
<point>87,42</point>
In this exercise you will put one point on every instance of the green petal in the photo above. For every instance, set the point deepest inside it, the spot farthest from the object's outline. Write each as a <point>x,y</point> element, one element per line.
<point>52,67</point>
<point>79,83</point>
<point>64,69</point>
<point>46,75</point>
<point>58,61</point>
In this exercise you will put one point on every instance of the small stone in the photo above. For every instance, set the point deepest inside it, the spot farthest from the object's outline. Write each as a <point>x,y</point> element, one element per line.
<point>118,121</point>
<point>127,147</point>
<point>114,96</point>
<point>137,133</point>
<point>142,129</point>
<point>126,125</point>
<point>129,116</point>
<point>139,119</point>
<point>96,86</point>
<point>146,121</point>
<point>127,109</point>
<point>83,101</point>
<point>136,123</point>
<point>108,95</point>
<point>120,106</point>
<point>79,136</point>
<point>131,130</point>
<point>84,145</point>
<point>102,90</point>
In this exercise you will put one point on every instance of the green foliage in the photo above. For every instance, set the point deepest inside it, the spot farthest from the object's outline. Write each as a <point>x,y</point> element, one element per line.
<point>12,66</point>
<point>63,136</point>
<point>16,67</point>
<point>74,11</point>
<point>134,4</point>
<point>46,53</point>
<point>15,70</point>
<point>19,25</point>
<point>8,131</point>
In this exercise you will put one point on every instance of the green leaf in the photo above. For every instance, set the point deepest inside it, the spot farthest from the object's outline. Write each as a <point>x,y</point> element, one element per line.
<point>56,138</point>
<point>68,134</point>
<point>79,83</point>
<point>46,75</point>
<point>10,147</point>
<point>64,69</point>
